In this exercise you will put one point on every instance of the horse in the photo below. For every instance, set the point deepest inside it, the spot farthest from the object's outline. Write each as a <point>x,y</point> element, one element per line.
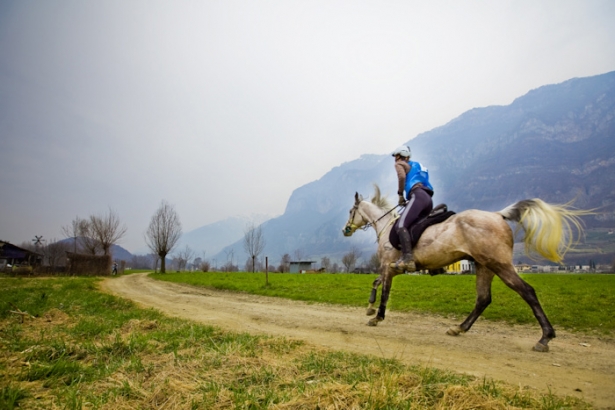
<point>482,236</point>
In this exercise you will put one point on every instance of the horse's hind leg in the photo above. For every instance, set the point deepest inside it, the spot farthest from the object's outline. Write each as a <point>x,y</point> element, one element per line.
<point>510,277</point>
<point>484,277</point>
<point>372,297</point>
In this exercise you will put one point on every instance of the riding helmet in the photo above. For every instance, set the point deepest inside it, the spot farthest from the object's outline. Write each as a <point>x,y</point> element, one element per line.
<point>403,151</point>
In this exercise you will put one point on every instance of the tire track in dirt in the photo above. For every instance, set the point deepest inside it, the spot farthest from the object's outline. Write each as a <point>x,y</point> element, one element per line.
<point>581,366</point>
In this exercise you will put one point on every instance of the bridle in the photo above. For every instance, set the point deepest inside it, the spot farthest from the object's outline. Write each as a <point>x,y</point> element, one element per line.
<point>350,227</point>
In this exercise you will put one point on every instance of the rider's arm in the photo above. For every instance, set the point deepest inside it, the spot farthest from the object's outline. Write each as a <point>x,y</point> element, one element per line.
<point>402,168</point>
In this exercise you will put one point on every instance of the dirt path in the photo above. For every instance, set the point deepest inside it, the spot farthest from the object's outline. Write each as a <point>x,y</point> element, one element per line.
<point>576,365</point>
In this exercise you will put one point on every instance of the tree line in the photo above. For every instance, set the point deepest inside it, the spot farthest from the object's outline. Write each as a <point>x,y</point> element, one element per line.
<point>96,234</point>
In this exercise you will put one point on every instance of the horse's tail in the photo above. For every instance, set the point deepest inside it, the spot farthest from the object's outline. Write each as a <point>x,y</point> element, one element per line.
<point>548,228</point>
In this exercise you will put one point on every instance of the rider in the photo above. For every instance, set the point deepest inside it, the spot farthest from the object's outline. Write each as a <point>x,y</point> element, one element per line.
<point>415,187</point>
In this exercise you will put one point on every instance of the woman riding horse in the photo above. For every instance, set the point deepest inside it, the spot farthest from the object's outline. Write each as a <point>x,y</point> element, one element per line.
<point>413,185</point>
<point>484,237</point>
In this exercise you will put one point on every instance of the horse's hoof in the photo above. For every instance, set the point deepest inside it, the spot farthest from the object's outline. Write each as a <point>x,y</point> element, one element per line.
<point>539,347</point>
<point>374,321</point>
<point>370,312</point>
<point>454,331</point>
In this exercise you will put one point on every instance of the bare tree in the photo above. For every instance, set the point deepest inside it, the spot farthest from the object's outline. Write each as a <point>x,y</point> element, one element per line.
<point>163,232</point>
<point>107,229</point>
<point>284,263</point>
<point>184,257</point>
<point>205,266</point>
<point>374,264</point>
<point>54,253</point>
<point>325,263</point>
<point>87,241</point>
<point>350,259</point>
<point>254,265</point>
<point>73,231</point>
<point>253,242</point>
<point>229,260</point>
<point>249,265</point>
<point>201,262</point>
<point>299,255</point>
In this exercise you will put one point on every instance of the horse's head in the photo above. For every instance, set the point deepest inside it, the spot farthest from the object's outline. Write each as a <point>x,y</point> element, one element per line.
<point>356,219</point>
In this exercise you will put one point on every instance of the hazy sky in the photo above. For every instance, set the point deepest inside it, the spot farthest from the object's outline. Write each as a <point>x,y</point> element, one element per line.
<point>223,108</point>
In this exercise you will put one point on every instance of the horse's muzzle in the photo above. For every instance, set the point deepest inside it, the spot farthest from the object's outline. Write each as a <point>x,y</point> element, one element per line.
<point>347,231</point>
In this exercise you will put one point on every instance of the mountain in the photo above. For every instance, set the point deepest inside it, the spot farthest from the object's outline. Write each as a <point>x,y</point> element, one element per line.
<point>120,254</point>
<point>556,143</point>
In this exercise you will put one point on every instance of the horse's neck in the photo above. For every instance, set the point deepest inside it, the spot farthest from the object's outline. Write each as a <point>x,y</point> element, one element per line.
<point>380,222</point>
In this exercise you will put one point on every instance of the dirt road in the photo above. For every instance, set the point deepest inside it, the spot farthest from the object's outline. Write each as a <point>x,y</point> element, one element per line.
<point>576,365</point>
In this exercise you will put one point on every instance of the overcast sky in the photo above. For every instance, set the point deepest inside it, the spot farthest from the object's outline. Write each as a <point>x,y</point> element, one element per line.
<point>223,108</point>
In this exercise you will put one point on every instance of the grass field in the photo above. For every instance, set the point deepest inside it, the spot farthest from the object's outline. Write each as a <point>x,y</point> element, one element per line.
<point>581,302</point>
<point>79,348</point>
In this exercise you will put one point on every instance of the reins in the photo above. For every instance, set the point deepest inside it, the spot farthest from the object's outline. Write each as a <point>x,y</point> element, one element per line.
<point>370,224</point>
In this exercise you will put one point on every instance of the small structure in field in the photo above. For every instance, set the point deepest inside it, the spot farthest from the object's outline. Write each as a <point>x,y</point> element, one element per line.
<point>11,255</point>
<point>300,266</point>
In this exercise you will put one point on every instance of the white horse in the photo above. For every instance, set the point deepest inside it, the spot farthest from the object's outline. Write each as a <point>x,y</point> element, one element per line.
<point>481,236</point>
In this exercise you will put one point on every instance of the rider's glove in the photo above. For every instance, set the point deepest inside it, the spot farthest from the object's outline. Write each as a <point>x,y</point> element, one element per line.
<point>402,200</point>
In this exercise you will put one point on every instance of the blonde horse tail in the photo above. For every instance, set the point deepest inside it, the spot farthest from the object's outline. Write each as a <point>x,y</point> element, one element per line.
<point>548,228</point>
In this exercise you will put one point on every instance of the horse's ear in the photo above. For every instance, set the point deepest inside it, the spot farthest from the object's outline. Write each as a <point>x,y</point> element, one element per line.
<point>356,198</point>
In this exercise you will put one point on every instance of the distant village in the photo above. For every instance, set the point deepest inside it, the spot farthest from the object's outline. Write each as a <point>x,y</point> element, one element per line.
<point>19,260</point>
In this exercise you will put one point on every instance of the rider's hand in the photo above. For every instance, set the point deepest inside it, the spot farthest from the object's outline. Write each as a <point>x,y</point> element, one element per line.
<point>402,200</point>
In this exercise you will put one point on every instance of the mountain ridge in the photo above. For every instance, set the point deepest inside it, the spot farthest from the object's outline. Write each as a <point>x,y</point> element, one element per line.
<point>556,142</point>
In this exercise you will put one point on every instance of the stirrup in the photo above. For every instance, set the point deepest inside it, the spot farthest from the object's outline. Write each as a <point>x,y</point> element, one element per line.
<point>409,266</point>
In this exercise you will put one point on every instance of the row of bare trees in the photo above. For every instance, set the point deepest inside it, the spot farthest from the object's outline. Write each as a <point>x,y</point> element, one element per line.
<point>96,234</point>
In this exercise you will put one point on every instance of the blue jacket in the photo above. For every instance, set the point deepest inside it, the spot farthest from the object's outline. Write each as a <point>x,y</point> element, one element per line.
<point>417,174</point>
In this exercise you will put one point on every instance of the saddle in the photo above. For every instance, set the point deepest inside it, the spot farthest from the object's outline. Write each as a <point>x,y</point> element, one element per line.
<point>439,214</point>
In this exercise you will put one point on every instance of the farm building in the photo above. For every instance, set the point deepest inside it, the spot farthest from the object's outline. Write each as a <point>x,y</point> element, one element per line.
<point>523,267</point>
<point>300,266</point>
<point>11,255</point>
<point>462,266</point>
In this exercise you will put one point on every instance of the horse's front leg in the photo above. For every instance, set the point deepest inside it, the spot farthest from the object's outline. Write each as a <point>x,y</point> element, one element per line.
<point>372,297</point>
<point>386,279</point>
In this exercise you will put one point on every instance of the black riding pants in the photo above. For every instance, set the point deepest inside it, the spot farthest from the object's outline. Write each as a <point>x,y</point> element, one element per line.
<point>419,206</point>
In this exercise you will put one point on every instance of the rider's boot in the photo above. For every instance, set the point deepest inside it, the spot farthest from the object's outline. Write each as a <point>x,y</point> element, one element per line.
<point>406,261</point>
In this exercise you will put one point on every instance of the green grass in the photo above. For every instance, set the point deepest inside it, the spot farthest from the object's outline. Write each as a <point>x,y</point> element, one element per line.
<point>574,302</point>
<point>87,349</point>
<point>11,396</point>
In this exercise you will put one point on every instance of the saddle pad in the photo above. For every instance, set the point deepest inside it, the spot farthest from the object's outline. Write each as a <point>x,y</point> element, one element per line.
<point>418,228</point>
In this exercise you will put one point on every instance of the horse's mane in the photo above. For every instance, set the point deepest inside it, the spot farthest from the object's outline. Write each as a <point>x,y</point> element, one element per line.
<point>380,201</point>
